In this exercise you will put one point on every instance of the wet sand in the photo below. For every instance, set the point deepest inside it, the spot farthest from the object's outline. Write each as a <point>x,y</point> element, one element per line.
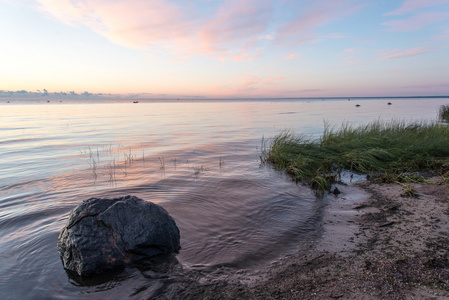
<point>377,243</point>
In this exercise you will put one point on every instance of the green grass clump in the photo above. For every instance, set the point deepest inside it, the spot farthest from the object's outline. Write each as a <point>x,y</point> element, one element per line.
<point>444,113</point>
<point>394,147</point>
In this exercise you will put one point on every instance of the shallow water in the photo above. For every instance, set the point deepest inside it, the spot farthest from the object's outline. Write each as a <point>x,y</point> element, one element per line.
<point>199,160</point>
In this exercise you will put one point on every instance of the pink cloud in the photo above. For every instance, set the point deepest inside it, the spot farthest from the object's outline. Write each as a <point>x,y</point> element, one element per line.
<point>416,22</point>
<point>348,52</point>
<point>414,5</point>
<point>132,23</point>
<point>349,58</point>
<point>352,61</point>
<point>231,29</point>
<point>292,56</point>
<point>402,53</point>
<point>442,36</point>
<point>223,29</point>
<point>321,12</point>
<point>251,85</point>
<point>247,56</point>
<point>395,70</point>
<point>439,88</point>
<point>337,36</point>
<point>241,22</point>
<point>260,81</point>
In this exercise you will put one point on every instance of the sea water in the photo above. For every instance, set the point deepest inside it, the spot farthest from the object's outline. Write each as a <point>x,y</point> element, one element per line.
<point>200,160</point>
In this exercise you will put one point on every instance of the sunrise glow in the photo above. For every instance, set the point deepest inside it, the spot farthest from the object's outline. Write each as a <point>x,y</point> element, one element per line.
<point>226,48</point>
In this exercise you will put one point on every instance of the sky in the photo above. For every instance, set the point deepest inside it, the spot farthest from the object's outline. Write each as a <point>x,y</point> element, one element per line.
<point>226,48</point>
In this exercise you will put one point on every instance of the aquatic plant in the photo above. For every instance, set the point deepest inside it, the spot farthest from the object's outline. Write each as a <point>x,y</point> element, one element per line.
<point>93,165</point>
<point>116,164</point>
<point>161,164</point>
<point>129,157</point>
<point>443,113</point>
<point>395,147</point>
<point>111,167</point>
<point>199,170</point>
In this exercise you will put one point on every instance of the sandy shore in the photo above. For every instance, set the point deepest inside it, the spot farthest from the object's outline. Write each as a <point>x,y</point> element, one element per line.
<point>377,244</point>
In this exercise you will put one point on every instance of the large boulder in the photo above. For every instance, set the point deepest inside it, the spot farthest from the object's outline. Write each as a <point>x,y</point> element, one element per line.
<point>103,235</point>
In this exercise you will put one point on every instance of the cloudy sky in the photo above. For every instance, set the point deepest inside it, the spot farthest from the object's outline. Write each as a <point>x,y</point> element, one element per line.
<point>226,48</point>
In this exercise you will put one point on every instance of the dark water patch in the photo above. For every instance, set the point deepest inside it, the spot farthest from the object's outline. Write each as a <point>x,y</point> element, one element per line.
<point>289,113</point>
<point>23,140</point>
<point>230,221</point>
<point>23,217</point>
<point>38,260</point>
<point>13,128</point>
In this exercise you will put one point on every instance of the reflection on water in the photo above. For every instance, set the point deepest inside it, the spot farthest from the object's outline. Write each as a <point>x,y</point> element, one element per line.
<point>200,161</point>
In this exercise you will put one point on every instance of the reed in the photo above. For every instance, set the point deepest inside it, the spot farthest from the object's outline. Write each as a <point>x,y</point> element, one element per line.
<point>129,157</point>
<point>93,166</point>
<point>394,147</point>
<point>111,167</point>
<point>199,170</point>
<point>161,164</point>
<point>444,113</point>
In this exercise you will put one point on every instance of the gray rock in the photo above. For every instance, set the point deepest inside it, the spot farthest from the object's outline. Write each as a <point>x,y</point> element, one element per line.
<point>103,235</point>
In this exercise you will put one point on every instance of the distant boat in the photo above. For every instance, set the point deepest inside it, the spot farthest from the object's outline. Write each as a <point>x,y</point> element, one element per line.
<point>389,103</point>
<point>357,105</point>
<point>136,102</point>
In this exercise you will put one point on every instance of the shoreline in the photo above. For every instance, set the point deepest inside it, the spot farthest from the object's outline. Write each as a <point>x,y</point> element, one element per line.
<point>376,244</point>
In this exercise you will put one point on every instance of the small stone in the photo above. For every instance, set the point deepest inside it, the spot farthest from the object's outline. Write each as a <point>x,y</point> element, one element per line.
<point>336,191</point>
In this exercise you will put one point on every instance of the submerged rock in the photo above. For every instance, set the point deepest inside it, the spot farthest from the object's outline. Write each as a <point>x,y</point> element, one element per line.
<point>104,235</point>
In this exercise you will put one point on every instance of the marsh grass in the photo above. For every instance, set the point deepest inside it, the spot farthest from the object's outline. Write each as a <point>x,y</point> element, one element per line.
<point>443,113</point>
<point>409,191</point>
<point>394,147</point>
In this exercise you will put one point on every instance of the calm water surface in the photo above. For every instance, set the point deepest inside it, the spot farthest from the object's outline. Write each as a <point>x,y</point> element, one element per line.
<point>199,160</point>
